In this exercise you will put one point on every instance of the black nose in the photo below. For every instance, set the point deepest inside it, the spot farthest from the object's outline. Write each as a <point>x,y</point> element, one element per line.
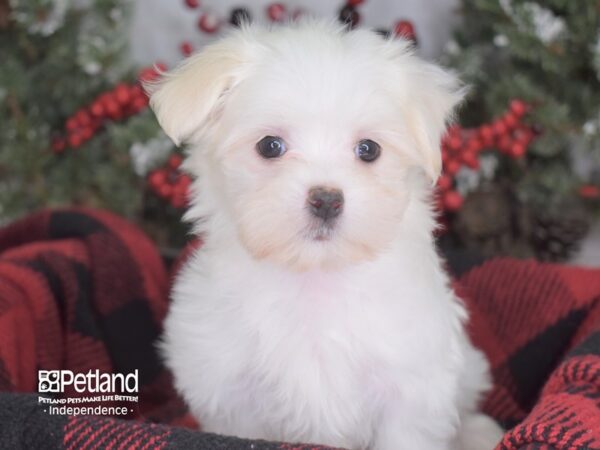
<point>326,203</point>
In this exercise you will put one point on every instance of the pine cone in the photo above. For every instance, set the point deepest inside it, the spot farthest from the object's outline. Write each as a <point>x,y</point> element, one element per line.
<point>557,237</point>
<point>484,221</point>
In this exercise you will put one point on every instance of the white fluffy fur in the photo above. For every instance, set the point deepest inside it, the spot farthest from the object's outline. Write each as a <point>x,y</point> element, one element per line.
<point>354,341</point>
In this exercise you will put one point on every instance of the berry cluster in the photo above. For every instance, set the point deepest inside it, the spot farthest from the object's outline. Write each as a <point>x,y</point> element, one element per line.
<point>210,23</point>
<point>123,101</point>
<point>461,147</point>
<point>169,183</point>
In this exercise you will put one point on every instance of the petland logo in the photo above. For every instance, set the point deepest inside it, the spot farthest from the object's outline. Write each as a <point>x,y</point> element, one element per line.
<point>55,381</point>
<point>98,391</point>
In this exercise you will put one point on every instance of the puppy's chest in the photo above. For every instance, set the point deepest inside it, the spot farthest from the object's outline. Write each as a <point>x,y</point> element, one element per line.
<point>321,343</point>
<point>330,328</point>
<point>316,344</point>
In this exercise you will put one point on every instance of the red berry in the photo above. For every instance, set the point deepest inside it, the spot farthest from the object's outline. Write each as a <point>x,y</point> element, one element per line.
<point>499,128</point>
<point>455,143</point>
<point>97,109</point>
<point>148,74</point>
<point>405,28</point>
<point>58,145</point>
<point>276,12</point>
<point>71,124</point>
<point>139,104</point>
<point>178,186</point>
<point>589,191</point>
<point>83,118</point>
<point>505,144</point>
<point>75,140</point>
<point>157,178</point>
<point>452,201</point>
<point>87,133</point>
<point>474,145</point>
<point>186,48</point>
<point>122,94</point>
<point>165,190</point>
<point>185,181</point>
<point>518,107</point>
<point>354,3</point>
<point>175,161</point>
<point>193,4</point>
<point>510,120</point>
<point>178,200</point>
<point>208,23</point>
<point>452,167</point>
<point>95,123</point>
<point>517,150</point>
<point>137,91</point>
<point>444,182</point>
<point>470,159</point>
<point>113,109</point>
<point>106,98</point>
<point>487,135</point>
<point>140,98</point>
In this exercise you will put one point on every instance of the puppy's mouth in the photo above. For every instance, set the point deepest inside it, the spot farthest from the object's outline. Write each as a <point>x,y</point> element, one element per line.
<point>321,232</point>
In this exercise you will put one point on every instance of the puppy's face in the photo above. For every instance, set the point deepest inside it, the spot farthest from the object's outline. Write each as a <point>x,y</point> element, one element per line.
<point>308,136</point>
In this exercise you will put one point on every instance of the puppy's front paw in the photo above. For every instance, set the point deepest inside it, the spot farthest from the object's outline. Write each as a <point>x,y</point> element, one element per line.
<point>479,432</point>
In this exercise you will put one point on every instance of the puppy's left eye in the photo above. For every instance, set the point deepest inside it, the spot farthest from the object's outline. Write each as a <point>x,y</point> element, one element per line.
<point>367,150</point>
<point>271,147</point>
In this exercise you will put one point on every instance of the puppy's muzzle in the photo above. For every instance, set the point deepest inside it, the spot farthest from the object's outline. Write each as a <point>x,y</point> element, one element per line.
<point>325,203</point>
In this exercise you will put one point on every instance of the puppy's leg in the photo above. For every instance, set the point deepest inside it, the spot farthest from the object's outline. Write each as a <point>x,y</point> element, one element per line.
<point>479,432</point>
<point>414,427</point>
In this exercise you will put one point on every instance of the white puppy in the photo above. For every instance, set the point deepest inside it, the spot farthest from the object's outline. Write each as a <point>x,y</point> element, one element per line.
<point>317,309</point>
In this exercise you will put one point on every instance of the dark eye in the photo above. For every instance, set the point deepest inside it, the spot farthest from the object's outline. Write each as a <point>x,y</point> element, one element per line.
<point>271,147</point>
<point>367,150</point>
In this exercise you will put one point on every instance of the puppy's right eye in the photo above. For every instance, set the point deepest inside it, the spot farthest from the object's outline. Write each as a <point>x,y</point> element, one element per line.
<point>271,147</point>
<point>367,150</point>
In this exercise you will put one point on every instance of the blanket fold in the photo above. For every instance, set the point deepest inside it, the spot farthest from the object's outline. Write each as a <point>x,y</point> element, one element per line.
<point>83,290</point>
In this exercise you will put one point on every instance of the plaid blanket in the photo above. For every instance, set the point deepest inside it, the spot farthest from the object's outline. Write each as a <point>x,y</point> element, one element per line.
<point>82,289</point>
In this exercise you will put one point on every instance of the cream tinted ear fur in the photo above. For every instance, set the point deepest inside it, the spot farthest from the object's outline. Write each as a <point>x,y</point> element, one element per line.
<point>184,99</point>
<point>435,94</point>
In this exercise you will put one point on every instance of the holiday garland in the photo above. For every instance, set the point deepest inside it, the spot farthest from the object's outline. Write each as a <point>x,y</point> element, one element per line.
<point>462,148</point>
<point>169,183</point>
<point>120,103</point>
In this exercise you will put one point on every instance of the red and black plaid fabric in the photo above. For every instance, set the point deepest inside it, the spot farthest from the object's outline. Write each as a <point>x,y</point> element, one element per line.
<point>539,324</point>
<point>82,289</point>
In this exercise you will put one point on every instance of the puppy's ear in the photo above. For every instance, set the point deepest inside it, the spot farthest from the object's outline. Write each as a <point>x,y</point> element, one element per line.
<point>186,98</point>
<point>436,93</point>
